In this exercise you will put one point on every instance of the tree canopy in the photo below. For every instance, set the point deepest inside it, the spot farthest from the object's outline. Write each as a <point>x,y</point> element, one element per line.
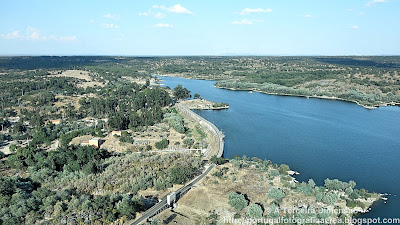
<point>237,201</point>
<point>181,92</point>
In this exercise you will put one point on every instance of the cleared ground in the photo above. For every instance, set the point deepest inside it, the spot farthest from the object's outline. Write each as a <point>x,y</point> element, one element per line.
<point>80,74</point>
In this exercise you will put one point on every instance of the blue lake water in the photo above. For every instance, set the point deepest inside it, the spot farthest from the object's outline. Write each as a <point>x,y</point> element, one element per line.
<point>319,138</point>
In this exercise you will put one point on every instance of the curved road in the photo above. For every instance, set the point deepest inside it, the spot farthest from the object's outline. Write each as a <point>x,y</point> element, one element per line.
<point>162,205</point>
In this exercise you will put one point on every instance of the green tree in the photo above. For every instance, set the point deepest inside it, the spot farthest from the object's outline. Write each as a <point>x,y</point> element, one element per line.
<point>237,201</point>
<point>155,221</point>
<point>7,186</point>
<point>218,161</point>
<point>59,209</point>
<point>188,142</point>
<point>283,169</point>
<point>162,144</point>
<point>180,174</point>
<point>319,196</point>
<point>352,184</point>
<point>311,183</point>
<point>181,92</point>
<point>276,193</point>
<point>255,211</point>
<point>274,211</point>
<point>330,198</point>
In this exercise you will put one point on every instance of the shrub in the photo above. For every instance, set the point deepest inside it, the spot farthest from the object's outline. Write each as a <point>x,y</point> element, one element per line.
<point>188,142</point>
<point>274,211</point>
<point>276,193</point>
<point>162,144</point>
<point>255,211</point>
<point>306,189</point>
<point>175,121</point>
<point>283,169</point>
<point>330,198</point>
<point>274,172</point>
<point>218,161</point>
<point>237,201</point>
<point>155,221</point>
<point>180,174</point>
<point>319,196</point>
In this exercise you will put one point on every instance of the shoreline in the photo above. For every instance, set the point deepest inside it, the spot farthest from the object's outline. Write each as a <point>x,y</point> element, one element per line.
<point>281,94</point>
<point>357,210</point>
<point>311,96</point>
<point>203,104</point>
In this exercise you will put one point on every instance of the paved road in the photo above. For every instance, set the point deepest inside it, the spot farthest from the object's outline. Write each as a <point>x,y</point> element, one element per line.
<point>208,125</point>
<point>162,205</point>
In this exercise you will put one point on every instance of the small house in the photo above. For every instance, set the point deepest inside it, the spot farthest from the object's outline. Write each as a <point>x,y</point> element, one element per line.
<point>95,142</point>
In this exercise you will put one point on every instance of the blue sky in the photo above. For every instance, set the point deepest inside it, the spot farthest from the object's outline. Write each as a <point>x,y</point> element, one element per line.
<point>200,27</point>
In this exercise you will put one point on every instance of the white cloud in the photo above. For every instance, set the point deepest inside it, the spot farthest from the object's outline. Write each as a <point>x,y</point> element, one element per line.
<point>163,25</point>
<point>354,27</point>
<point>33,34</point>
<point>247,11</point>
<point>247,21</point>
<point>348,10</point>
<point>112,16</point>
<point>307,16</point>
<point>158,15</point>
<point>373,2</point>
<point>109,26</point>
<point>174,9</point>
<point>36,36</point>
<point>14,35</point>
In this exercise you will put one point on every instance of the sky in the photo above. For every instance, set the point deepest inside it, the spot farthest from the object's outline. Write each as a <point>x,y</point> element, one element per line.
<point>200,27</point>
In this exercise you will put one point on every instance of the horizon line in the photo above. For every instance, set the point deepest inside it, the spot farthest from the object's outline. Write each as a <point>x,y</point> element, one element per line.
<point>194,55</point>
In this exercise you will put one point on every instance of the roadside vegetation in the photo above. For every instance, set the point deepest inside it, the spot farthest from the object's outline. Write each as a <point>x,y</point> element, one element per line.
<point>253,188</point>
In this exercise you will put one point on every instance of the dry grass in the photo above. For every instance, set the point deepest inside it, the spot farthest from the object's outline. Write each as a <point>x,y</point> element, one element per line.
<point>63,101</point>
<point>141,80</point>
<point>212,194</point>
<point>80,74</point>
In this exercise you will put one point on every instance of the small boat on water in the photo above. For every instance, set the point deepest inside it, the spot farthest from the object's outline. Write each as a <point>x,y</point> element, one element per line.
<point>250,92</point>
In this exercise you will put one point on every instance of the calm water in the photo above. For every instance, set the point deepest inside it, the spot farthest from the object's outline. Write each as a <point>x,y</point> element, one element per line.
<point>319,138</point>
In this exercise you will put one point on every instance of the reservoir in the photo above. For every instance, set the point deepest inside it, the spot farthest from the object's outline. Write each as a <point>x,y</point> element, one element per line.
<point>317,137</point>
